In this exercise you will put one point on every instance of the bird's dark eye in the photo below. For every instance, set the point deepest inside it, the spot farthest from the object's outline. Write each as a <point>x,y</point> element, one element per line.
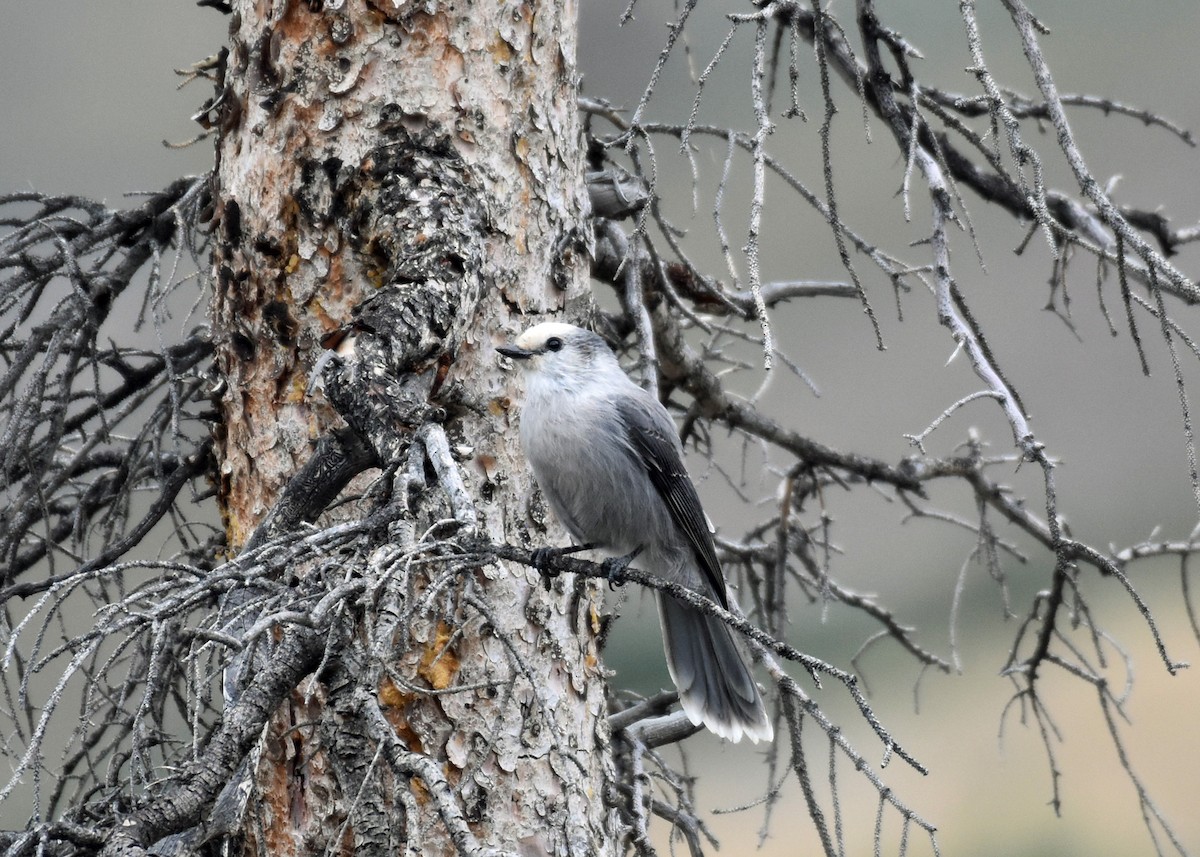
<point>554,344</point>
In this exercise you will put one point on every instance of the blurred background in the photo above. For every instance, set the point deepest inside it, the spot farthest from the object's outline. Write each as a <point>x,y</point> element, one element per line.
<point>90,97</point>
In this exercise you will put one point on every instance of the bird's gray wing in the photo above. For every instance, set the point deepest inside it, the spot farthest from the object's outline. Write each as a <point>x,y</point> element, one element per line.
<point>652,438</point>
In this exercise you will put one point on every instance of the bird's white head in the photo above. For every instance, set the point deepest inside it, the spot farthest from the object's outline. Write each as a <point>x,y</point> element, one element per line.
<point>563,351</point>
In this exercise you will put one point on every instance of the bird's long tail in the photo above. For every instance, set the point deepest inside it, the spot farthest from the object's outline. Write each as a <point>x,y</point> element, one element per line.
<point>714,682</point>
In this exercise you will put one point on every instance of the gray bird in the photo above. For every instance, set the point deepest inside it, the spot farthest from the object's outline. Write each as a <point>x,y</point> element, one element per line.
<point>608,459</point>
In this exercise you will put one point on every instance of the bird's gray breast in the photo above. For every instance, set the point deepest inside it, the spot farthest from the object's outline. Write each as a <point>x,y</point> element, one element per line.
<point>594,482</point>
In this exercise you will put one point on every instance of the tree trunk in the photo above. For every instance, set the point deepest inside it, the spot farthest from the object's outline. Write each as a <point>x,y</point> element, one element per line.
<point>415,167</point>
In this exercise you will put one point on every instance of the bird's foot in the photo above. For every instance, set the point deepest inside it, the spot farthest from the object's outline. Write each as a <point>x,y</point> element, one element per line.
<point>543,558</point>
<point>614,567</point>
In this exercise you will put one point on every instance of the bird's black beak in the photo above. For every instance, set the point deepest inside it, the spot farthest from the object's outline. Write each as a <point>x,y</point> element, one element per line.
<point>515,352</point>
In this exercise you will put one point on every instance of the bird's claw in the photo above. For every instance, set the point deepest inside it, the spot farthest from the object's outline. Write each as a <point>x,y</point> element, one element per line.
<point>542,558</point>
<point>614,568</point>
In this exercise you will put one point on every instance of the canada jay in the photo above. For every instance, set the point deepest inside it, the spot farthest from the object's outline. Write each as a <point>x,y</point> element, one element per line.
<point>607,456</point>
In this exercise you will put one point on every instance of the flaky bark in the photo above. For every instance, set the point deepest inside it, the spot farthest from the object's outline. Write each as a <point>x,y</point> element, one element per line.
<point>426,159</point>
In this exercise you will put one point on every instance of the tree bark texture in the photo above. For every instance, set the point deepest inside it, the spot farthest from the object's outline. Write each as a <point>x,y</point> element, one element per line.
<point>410,169</point>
